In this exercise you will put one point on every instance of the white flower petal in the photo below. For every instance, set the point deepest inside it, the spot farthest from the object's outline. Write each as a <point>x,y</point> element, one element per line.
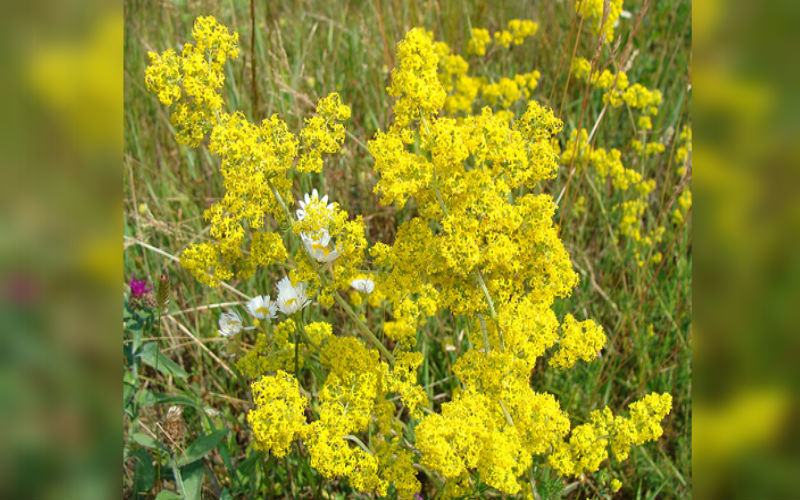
<point>291,298</point>
<point>230,323</point>
<point>259,307</point>
<point>364,285</point>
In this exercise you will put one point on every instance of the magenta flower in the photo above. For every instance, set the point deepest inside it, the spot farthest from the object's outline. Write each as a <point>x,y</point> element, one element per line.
<point>139,287</point>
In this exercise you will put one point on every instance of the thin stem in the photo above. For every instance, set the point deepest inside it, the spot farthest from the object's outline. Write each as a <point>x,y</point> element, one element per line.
<point>441,201</point>
<point>492,311</point>
<point>296,352</point>
<point>301,329</point>
<point>354,439</point>
<point>253,86</point>
<point>485,291</point>
<point>266,458</point>
<point>291,475</point>
<point>485,336</point>
<point>506,414</point>
<point>533,485</point>
<point>364,328</point>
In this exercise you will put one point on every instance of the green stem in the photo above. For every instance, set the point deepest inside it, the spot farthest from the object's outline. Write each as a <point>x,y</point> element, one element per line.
<point>176,473</point>
<point>533,485</point>
<point>492,312</point>
<point>351,437</point>
<point>506,414</point>
<point>482,284</point>
<point>301,329</point>
<point>485,336</point>
<point>296,351</point>
<point>364,328</point>
<point>441,201</point>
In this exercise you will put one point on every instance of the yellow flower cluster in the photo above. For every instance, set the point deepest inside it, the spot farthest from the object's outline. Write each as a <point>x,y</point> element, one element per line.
<point>605,164</point>
<point>252,157</point>
<point>354,394</point>
<point>631,214</point>
<point>640,97</point>
<point>580,340</point>
<point>609,164</point>
<point>279,415</point>
<point>272,352</point>
<point>480,243</point>
<point>684,151</point>
<point>477,44</point>
<point>507,90</point>
<point>463,178</point>
<point>323,133</point>
<point>602,20</point>
<point>588,443</point>
<point>255,158</point>
<point>521,29</point>
<point>518,30</point>
<point>461,88</point>
<point>684,204</point>
<point>192,81</point>
<point>472,233</point>
<point>649,149</point>
<point>415,81</point>
<point>618,88</point>
<point>581,68</point>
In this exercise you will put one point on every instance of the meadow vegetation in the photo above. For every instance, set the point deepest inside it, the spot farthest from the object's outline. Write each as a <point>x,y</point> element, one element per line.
<point>514,179</point>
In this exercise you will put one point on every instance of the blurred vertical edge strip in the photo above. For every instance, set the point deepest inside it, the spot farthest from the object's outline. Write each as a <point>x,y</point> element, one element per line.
<point>60,249</point>
<point>747,215</point>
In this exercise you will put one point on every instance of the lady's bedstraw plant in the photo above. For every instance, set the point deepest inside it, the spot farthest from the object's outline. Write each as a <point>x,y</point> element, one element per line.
<point>481,246</point>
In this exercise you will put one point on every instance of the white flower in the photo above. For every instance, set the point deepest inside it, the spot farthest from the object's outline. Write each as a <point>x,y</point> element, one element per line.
<point>291,298</point>
<point>625,15</point>
<point>261,308</point>
<point>314,199</point>
<point>318,247</point>
<point>364,285</point>
<point>230,323</point>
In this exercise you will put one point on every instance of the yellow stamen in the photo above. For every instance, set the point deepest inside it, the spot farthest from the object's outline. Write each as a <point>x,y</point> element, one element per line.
<point>317,246</point>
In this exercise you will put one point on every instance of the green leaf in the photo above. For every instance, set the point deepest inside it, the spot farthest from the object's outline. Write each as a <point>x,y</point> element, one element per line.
<point>161,399</point>
<point>168,495</point>
<point>202,446</point>
<point>144,473</point>
<point>192,476</point>
<point>128,390</point>
<point>146,398</point>
<point>137,339</point>
<point>151,355</point>
<point>146,441</point>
